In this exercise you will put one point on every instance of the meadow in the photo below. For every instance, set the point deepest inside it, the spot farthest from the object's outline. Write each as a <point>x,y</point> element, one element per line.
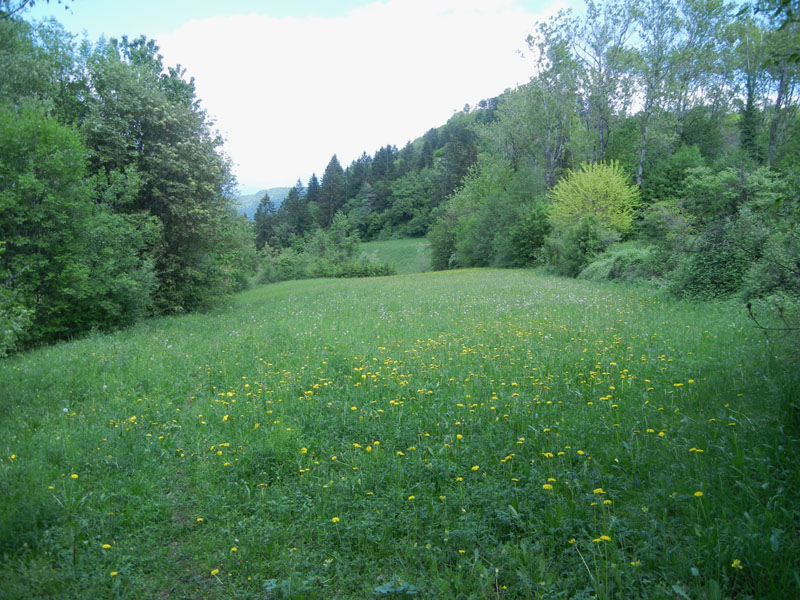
<point>466,434</point>
<point>406,255</point>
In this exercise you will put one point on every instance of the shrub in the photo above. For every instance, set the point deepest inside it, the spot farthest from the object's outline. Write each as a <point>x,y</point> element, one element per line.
<point>598,190</point>
<point>623,262</point>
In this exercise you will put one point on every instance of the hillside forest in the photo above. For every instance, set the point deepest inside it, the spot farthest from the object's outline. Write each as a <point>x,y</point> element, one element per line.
<point>656,141</point>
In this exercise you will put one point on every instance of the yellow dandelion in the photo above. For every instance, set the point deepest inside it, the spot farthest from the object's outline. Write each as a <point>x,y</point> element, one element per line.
<point>737,564</point>
<point>698,494</point>
<point>214,572</point>
<point>106,546</point>
<point>598,491</point>
<point>475,468</point>
<point>114,573</point>
<point>234,549</point>
<point>335,520</point>
<point>74,476</point>
<point>411,497</point>
<point>547,486</point>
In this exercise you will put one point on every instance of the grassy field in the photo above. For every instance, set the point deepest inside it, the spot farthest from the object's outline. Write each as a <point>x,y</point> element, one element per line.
<point>408,255</point>
<point>470,434</point>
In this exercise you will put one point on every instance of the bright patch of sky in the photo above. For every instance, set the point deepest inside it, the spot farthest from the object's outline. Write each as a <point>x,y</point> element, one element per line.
<point>289,84</point>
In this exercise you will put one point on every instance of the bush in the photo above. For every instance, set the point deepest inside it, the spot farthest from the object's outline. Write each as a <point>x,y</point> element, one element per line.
<point>599,190</point>
<point>623,262</point>
<point>569,251</point>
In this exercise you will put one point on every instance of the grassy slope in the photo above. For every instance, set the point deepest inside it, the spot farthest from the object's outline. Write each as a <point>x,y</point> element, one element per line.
<point>318,438</point>
<point>409,255</point>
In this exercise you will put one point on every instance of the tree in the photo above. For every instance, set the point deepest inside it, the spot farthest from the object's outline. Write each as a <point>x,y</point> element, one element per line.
<point>605,61</point>
<point>68,263</point>
<point>331,193</point>
<point>657,27</point>
<point>264,221</point>
<point>599,190</point>
<point>144,119</point>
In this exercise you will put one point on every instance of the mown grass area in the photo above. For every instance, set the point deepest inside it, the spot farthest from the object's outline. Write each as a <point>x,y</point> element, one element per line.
<point>471,434</point>
<point>407,255</point>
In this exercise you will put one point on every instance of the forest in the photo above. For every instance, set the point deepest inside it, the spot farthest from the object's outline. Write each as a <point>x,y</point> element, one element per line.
<point>656,141</point>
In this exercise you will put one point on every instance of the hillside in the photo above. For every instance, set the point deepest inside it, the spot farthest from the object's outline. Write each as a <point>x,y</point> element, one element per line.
<point>248,203</point>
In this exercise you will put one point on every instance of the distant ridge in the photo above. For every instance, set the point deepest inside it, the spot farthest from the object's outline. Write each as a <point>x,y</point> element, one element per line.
<point>248,203</point>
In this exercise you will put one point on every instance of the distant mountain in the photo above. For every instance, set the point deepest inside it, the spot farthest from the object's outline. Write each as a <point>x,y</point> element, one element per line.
<point>248,203</point>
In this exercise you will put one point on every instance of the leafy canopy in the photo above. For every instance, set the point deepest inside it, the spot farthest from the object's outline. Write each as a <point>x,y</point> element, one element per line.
<point>598,189</point>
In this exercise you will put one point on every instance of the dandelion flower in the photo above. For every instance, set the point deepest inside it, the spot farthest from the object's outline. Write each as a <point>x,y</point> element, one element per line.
<point>114,573</point>
<point>598,491</point>
<point>106,546</point>
<point>547,486</point>
<point>335,520</point>
<point>234,549</point>
<point>698,494</point>
<point>214,572</point>
<point>74,476</point>
<point>411,497</point>
<point>475,468</point>
<point>736,564</point>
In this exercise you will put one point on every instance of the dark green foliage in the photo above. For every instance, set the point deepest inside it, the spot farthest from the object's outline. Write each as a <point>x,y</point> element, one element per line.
<point>570,250</point>
<point>665,180</point>
<point>265,222</point>
<point>69,264</point>
<point>331,192</point>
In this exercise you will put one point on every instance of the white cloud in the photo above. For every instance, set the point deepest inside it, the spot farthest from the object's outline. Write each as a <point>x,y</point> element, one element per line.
<point>289,93</point>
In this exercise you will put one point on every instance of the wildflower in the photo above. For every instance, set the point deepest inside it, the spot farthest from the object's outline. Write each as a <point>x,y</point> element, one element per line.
<point>74,476</point>
<point>114,573</point>
<point>199,519</point>
<point>214,572</point>
<point>737,564</point>
<point>303,450</point>
<point>475,468</point>
<point>599,491</point>
<point>411,497</point>
<point>547,486</point>
<point>368,448</point>
<point>335,520</point>
<point>234,549</point>
<point>399,453</point>
<point>698,494</point>
<point>106,546</point>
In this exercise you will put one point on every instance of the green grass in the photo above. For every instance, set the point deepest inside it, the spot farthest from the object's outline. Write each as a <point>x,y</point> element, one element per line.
<point>408,255</point>
<point>468,434</point>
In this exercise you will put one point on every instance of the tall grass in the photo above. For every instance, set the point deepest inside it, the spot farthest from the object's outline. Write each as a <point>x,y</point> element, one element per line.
<point>472,434</point>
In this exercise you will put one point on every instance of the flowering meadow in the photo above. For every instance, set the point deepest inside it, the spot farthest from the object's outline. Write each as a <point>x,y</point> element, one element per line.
<point>465,434</point>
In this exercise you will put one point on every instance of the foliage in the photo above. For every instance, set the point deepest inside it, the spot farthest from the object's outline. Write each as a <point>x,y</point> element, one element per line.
<point>629,261</point>
<point>69,264</point>
<point>569,250</point>
<point>599,190</point>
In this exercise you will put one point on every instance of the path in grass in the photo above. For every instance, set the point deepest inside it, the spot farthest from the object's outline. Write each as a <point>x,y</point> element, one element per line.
<point>475,434</point>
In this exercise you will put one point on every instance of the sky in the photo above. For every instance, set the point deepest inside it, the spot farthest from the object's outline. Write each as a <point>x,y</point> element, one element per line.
<point>291,83</point>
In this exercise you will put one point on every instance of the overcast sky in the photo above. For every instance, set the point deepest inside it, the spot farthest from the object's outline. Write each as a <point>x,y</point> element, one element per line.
<point>290,83</point>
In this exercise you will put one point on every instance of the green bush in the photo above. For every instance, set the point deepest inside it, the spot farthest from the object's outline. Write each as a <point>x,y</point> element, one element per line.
<point>629,261</point>
<point>568,251</point>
